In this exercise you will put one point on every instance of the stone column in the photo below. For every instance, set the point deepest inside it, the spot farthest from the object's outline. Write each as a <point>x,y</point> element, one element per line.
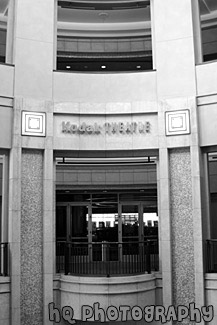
<point>31,241</point>
<point>182,226</point>
<point>31,218</point>
<point>49,235</point>
<point>179,157</point>
<point>15,213</point>
<point>31,165</point>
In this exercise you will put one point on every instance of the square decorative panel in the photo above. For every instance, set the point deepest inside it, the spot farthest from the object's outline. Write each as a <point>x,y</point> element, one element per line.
<point>177,122</point>
<point>33,124</point>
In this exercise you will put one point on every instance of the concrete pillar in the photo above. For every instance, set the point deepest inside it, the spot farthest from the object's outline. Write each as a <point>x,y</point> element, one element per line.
<point>179,155</point>
<point>31,237</point>
<point>15,213</point>
<point>31,207</point>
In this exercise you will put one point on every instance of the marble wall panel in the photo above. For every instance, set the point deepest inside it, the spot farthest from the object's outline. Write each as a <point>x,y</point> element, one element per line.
<point>31,286</point>
<point>183,282</point>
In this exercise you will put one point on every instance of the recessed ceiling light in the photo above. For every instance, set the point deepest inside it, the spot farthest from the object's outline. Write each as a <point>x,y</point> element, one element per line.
<point>138,66</point>
<point>68,67</point>
<point>103,66</point>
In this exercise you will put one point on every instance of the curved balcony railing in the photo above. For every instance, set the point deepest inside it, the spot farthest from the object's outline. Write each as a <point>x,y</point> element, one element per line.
<point>107,258</point>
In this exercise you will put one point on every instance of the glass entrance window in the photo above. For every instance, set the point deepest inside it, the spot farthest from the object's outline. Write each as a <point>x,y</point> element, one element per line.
<point>130,228</point>
<point>61,223</point>
<point>107,227</point>
<point>150,224</point>
<point>130,222</point>
<point>71,222</point>
<point>104,217</point>
<point>78,234</point>
<point>78,223</point>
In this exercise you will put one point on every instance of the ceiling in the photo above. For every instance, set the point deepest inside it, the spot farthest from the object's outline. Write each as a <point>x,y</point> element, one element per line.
<point>103,11</point>
<point>103,16</point>
<point>207,6</point>
<point>3,6</point>
<point>116,11</point>
<point>110,11</point>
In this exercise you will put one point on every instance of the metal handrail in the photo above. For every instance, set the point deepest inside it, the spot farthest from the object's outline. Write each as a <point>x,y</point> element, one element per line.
<point>107,258</point>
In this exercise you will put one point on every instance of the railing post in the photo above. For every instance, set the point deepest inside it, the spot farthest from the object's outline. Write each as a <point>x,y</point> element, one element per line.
<point>66,251</point>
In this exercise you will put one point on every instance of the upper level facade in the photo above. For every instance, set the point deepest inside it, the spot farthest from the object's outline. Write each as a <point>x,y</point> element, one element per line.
<point>107,39</point>
<point>125,56</point>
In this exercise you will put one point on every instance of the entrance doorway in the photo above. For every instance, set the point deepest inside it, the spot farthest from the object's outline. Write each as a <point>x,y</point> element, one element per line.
<point>103,232</point>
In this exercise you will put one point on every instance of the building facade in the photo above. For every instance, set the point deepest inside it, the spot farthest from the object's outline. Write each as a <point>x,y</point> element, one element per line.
<point>108,161</point>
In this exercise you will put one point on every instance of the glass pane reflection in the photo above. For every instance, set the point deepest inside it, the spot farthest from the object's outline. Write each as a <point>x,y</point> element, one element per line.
<point>150,222</point>
<point>61,228</point>
<point>79,223</point>
<point>130,222</point>
<point>105,225</point>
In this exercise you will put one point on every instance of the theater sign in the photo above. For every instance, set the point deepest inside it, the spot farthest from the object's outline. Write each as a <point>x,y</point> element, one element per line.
<point>106,128</point>
<point>105,132</point>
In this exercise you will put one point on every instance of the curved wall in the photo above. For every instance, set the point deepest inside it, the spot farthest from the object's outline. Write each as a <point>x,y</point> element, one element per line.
<point>104,87</point>
<point>141,290</point>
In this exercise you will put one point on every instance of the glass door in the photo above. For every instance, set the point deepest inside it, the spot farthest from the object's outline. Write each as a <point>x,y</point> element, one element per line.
<point>131,230</point>
<point>150,223</point>
<point>72,228</point>
<point>61,223</point>
<point>78,234</point>
<point>104,227</point>
<point>78,223</point>
<point>61,235</point>
<point>72,235</point>
<point>72,222</point>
